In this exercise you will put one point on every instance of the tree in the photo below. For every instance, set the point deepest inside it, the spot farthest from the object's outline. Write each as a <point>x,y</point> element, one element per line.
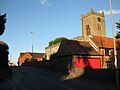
<point>57,40</point>
<point>4,54</point>
<point>2,23</point>
<point>4,67</point>
<point>118,27</point>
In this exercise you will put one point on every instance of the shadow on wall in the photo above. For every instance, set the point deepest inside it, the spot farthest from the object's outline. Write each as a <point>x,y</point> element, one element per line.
<point>100,75</point>
<point>4,67</point>
<point>64,60</point>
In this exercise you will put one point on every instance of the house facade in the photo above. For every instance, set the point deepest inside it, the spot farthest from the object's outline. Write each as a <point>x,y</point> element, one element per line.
<point>29,57</point>
<point>106,47</point>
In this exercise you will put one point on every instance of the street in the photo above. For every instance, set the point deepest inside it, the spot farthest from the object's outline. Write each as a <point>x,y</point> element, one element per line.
<point>28,78</point>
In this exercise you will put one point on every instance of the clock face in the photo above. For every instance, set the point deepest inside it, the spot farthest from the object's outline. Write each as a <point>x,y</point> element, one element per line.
<point>99,19</point>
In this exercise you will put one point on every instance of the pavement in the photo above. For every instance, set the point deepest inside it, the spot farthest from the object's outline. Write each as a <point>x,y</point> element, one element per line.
<point>86,82</point>
<point>91,83</point>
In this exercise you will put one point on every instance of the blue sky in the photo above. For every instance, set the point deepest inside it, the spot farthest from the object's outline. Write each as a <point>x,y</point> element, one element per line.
<point>48,19</point>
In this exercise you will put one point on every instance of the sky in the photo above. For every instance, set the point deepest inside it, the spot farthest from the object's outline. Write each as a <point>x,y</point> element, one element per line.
<point>48,19</point>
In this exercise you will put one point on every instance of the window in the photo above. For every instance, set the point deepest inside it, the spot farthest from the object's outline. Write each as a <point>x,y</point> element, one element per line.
<point>102,51</point>
<point>88,30</point>
<point>99,19</point>
<point>110,64</point>
<point>99,27</point>
<point>26,60</point>
<point>106,52</point>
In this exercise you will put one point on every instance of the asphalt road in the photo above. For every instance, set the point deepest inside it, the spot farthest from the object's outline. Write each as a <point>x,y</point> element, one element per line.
<point>27,78</point>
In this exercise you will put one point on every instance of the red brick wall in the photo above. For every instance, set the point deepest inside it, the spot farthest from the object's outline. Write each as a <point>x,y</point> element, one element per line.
<point>23,58</point>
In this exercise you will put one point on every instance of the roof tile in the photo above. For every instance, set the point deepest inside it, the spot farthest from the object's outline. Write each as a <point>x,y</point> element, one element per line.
<point>72,47</point>
<point>104,42</point>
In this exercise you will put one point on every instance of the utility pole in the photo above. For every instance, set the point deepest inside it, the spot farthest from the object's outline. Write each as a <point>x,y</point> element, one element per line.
<point>32,41</point>
<point>114,42</point>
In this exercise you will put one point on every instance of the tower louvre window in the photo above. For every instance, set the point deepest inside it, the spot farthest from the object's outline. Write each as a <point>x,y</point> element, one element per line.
<point>88,30</point>
<point>99,27</point>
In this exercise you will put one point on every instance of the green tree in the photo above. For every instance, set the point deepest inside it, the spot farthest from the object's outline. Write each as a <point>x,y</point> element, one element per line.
<point>57,40</point>
<point>118,27</point>
<point>2,23</point>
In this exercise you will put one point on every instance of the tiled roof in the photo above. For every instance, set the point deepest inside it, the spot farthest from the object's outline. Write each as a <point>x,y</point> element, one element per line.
<point>72,47</point>
<point>36,55</point>
<point>104,42</point>
<point>21,54</point>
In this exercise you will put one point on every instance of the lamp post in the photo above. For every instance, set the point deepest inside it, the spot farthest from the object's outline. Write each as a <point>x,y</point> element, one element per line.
<point>32,41</point>
<point>114,42</point>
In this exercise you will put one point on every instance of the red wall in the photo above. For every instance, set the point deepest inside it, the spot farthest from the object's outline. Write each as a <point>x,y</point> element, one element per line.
<point>88,62</point>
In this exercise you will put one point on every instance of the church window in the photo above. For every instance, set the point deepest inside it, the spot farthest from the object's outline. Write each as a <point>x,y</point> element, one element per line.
<point>88,30</point>
<point>99,27</point>
<point>99,19</point>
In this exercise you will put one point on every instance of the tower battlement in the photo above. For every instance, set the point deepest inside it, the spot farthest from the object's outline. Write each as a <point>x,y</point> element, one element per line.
<point>92,13</point>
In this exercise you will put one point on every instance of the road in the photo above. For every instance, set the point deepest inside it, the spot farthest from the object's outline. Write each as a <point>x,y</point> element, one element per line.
<point>28,78</point>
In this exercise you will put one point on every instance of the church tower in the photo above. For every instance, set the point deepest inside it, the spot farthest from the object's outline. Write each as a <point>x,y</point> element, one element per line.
<point>93,23</point>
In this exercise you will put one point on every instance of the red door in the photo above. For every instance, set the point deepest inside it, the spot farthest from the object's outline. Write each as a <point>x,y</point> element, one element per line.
<point>88,62</point>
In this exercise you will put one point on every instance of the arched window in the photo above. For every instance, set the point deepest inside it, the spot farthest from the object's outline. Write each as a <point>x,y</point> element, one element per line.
<point>99,27</point>
<point>88,30</point>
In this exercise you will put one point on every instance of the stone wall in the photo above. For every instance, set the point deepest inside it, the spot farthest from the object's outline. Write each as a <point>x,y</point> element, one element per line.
<point>51,50</point>
<point>96,22</point>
